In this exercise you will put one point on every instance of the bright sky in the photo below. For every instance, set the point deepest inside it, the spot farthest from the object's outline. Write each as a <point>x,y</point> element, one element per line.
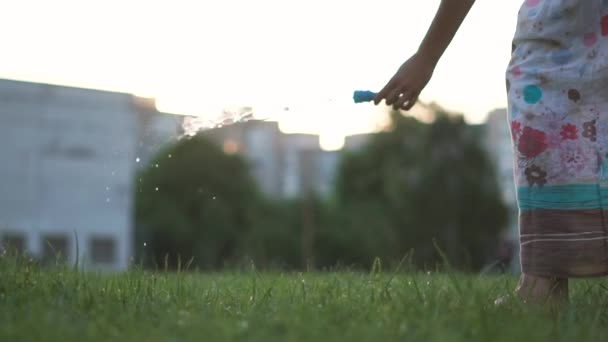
<point>197,57</point>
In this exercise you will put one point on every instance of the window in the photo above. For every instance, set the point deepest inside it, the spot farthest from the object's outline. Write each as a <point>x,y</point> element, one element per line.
<point>103,250</point>
<point>13,242</point>
<point>55,249</point>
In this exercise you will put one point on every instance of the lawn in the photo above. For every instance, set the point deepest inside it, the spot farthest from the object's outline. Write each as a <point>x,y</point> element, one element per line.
<point>64,305</point>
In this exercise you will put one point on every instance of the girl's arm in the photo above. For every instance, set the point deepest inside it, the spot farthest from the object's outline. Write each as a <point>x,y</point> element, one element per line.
<point>405,86</point>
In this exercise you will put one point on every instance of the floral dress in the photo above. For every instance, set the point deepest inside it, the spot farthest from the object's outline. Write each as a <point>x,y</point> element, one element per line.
<point>557,85</point>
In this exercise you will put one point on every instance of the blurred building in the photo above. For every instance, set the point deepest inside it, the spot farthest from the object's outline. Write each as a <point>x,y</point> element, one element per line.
<point>327,167</point>
<point>259,142</point>
<point>284,165</point>
<point>154,129</point>
<point>499,147</point>
<point>300,165</point>
<point>69,159</point>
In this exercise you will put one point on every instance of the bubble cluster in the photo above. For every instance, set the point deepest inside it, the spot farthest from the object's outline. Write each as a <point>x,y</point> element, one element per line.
<point>193,125</point>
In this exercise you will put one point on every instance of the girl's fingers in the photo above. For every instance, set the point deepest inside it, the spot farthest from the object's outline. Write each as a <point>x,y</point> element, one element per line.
<point>393,96</point>
<point>412,101</point>
<point>405,97</point>
<point>382,93</point>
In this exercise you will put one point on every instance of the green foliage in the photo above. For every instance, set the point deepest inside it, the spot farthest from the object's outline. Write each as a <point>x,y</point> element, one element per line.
<point>195,201</point>
<point>432,182</point>
<point>275,239</point>
<point>353,235</point>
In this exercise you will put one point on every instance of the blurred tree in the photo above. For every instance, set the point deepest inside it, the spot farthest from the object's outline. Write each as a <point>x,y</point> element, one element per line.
<point>195,201</point>
<point>275,240</point>
<point>430,181</point>
<point>353,235</point>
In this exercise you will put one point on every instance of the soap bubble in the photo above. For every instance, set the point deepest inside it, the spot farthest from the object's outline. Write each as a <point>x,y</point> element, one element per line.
<point>194,124</point>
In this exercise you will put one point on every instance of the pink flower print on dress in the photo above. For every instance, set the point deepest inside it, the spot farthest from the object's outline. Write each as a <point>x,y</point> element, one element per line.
<point>569,132</point>
<point>573,158</point>
<point>515,129</point>
<point>516,71</point>
<point>604,25</point>
<point>590,39</point>
<point>532,3</point>
<point>532,142</point>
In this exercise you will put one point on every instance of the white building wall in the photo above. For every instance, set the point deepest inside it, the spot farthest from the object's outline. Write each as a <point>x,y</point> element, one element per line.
<point>259,142</point>
<point>328,162</point>
<point>68,164</point>
<point>155,130</point>
<point>294,171</point>
<point>262,150</point>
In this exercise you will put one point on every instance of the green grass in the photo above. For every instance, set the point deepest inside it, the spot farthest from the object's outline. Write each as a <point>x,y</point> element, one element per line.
<point>63,305</point>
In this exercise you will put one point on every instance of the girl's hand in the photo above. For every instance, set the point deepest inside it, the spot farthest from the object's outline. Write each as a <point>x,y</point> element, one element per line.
<point>403,89</point>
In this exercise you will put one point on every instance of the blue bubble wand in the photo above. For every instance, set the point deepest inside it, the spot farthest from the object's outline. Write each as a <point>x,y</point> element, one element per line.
<point>361,96</point>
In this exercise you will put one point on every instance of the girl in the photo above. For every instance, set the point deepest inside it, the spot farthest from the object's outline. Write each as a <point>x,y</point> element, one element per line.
<point>557,86</point>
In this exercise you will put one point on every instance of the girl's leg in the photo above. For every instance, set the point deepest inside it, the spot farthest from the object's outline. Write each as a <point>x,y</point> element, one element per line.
<point>537,289</point>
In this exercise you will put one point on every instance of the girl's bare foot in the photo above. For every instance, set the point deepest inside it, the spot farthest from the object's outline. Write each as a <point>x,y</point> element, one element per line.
<point>535,289</point>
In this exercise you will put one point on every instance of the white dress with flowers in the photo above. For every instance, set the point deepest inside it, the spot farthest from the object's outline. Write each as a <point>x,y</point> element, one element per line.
<point>557,84</point>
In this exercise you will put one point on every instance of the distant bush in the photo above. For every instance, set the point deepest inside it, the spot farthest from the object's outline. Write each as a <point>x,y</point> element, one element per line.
<point>428,182</point>
<point>197,203</point>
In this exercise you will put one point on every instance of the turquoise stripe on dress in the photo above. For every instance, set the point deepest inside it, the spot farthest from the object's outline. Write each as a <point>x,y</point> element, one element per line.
<point>565,197</point>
